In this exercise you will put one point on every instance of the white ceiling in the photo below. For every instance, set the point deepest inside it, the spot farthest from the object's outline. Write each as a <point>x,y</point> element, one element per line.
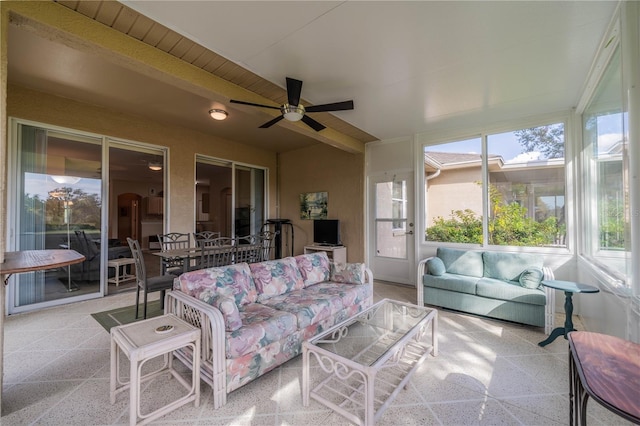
<point>410,66</point>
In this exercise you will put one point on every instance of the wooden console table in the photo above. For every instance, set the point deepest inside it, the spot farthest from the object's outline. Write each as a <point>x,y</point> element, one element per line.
<point>607,369</point>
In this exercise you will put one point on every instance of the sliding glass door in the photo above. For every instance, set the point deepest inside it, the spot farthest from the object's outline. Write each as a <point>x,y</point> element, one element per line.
<point>230,198</point>
<point>58,205</point>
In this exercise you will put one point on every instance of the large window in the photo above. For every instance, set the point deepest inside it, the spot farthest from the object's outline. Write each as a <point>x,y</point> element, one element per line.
<point>606,242</point>
<point>519,183</point>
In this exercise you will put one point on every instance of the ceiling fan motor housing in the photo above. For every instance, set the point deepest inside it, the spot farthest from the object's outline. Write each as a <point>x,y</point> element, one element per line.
<point>291,112</point>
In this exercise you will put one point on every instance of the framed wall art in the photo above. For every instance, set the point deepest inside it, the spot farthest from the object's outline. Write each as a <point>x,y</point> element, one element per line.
<point>313,205</point>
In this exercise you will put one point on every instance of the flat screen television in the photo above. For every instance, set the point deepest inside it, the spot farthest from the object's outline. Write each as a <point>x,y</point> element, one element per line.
<point>326,232</point>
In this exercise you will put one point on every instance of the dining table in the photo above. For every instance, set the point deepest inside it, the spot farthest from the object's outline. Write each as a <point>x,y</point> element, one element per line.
<point>181,255</point>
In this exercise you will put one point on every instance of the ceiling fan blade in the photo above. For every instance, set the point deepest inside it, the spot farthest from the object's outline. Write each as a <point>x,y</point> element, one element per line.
<point>272,122</point>
<point>252,104</point>
<point>312,123</point>
<point>336,106</point>
<point>294,88</point>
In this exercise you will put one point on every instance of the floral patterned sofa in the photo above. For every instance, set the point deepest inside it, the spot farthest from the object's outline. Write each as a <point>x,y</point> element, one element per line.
<point>254,317</point>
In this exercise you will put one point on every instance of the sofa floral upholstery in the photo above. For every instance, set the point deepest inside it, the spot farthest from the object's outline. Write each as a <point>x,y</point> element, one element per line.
<point>254,317</point>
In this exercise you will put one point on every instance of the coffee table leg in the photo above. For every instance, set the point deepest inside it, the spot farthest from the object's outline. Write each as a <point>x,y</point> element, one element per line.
<point>305,377</point>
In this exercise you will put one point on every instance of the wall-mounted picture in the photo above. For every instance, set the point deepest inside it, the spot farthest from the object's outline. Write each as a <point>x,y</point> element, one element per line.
<point>313,205</point>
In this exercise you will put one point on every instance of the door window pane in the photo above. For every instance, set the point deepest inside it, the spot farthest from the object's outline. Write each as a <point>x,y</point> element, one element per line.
<point>391,219</point>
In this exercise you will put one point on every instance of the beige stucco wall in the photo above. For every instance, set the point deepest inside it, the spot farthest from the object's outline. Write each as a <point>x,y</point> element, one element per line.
<point>321,168</point>
<point>454,189</point>
<point>183,143</point>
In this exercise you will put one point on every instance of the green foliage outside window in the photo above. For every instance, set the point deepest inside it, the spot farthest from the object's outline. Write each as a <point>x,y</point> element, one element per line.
<point>509,225</point>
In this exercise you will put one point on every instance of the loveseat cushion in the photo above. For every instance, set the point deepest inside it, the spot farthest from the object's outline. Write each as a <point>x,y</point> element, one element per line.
<point>308,307</point>
<point>233,280</point>
<point>314,267</point>
<point>462,262</point>
<point>261,325</point>
<point>510,291</point>
<point>352,273</point>
<point>452,282</point>
<point>509,266</point>
<point>276,277</point>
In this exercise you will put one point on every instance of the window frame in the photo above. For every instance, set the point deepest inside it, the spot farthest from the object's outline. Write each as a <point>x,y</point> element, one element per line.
<point>426,140</point>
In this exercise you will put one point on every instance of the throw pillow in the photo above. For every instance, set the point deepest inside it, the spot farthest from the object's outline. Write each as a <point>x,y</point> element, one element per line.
<point>314,267</point>
<point>435,266</point>
<point>350,273</point>
<point>531,278</point>
<point>230,312</point>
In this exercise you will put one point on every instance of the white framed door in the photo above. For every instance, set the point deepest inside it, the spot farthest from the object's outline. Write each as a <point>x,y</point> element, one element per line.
<point>391,227</point>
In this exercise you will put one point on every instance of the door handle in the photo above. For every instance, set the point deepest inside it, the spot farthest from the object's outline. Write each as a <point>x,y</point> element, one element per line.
<point>408,233</point>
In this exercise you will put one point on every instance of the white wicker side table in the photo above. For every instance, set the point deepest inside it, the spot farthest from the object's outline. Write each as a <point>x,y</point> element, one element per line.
<point>147,339</point>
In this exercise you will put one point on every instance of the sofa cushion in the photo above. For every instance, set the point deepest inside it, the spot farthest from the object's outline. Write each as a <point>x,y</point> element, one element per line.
<point>452,282</point>
<point>349,295</point>
<point>261,325</point>
<point>510,291</point>
<point>462,262</point>
<point>352,273</point>
<point>531,278</point>
<point>314,267</point>
<point>308,307</point>
<point>275,277</point>
<point>435,266</point>
<point>233,280</point>
<point>509,266</point>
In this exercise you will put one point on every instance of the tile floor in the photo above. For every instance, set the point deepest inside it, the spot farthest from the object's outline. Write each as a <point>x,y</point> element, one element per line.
<point>489,372</point>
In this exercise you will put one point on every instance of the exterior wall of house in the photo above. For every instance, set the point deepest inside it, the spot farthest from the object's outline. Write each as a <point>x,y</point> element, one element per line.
<point>321,168</point>
<point>183,143</point>
<point>455,189</point>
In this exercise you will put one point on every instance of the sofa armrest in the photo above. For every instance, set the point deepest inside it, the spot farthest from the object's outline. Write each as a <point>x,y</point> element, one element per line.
<point>422,269</point>
<point>211,323</point>
<point>369,282</point>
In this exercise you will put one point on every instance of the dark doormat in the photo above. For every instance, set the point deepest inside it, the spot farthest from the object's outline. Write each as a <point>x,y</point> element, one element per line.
<point>126,315</point>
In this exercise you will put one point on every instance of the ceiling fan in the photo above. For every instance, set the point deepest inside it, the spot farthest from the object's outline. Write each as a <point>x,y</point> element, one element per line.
<point>294,111</point>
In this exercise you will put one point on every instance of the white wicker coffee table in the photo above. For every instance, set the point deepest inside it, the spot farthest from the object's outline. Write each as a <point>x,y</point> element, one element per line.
<point>366,360</point>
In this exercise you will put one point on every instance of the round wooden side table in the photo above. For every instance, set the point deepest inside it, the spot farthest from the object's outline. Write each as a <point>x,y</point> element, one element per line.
<point>569,288</point>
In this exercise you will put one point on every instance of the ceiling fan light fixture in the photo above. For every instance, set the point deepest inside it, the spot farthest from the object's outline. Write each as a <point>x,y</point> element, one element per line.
<point>155,166</point>
<point>292,113</point>
<point>218,114</point>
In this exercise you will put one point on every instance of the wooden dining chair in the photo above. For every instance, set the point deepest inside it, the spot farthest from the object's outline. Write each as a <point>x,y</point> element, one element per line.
<point>160,283</point>
<point>173,241</point>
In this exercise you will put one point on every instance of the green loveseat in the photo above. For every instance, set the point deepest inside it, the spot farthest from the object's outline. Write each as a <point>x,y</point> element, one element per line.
<point>499,285</point>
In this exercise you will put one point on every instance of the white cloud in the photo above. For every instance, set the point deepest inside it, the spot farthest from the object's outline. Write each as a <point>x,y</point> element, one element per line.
<point>525,157</point>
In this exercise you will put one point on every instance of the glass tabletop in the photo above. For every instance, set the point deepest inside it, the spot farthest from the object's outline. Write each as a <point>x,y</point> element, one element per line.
<point>369,335</point>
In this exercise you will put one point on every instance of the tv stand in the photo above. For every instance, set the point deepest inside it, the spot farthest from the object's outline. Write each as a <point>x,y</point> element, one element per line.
<point>337,254</point>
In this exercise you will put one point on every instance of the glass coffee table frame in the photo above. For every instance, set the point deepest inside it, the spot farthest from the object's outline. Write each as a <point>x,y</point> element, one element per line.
<point>364,362</point>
